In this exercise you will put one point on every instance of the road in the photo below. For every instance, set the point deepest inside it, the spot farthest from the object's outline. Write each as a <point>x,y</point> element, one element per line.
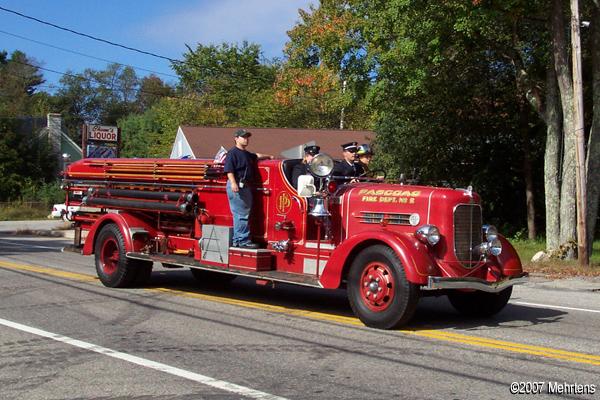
<point>65,336</point>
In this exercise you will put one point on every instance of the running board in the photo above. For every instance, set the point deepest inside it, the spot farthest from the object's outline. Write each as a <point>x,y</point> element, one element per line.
<point>275,276</point>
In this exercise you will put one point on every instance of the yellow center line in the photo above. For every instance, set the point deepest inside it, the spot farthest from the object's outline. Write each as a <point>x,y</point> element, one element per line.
<point>48,271</point>
<point>440,335</point>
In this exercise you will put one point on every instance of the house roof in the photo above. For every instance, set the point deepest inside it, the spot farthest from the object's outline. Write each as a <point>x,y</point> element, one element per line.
<point>206,141</point>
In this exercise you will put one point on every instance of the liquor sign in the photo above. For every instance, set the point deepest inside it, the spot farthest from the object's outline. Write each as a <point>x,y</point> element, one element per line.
<point>101,141</point>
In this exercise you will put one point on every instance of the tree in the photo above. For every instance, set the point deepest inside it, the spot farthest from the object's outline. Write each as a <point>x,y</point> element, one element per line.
<point>24,158</point>
<point>225,76</point>
<point>151,90</point>
<point>446,96</point>
<point>593,148</point>
<point>95,96</point>
<point>152,134</point>
<point>326,75</point>
<point>19,78</point>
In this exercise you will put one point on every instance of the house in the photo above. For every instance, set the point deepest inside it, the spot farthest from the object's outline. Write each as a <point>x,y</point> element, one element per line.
<point>51,129</point>
<point>205,142</point>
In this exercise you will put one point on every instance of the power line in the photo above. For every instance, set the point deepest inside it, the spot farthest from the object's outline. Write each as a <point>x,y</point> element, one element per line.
<point>90,36</point>
<point>86,55</point>
<point>172,60</point>
<point>101,84</point>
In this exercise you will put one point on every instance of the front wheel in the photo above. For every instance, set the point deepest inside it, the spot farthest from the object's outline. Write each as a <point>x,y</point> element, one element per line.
<point>378,291</point>
<point>479,304</point>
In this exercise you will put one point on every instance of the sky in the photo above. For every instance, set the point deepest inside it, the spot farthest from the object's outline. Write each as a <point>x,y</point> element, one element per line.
<point>157,26</point>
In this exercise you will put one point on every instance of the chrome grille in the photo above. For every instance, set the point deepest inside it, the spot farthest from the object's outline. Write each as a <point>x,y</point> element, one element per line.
<point>367,217</point>
<point>467,231</point>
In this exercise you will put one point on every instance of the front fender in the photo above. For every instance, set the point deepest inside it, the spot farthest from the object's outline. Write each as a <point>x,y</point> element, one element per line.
<point>413,254</point>
<point>508,260</point>
<point>128,225</point>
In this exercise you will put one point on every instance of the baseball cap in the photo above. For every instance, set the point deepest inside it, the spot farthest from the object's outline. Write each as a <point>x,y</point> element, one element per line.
<point>242,133</point>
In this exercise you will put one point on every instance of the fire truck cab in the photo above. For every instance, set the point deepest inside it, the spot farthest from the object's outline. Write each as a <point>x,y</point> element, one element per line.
<point>388,244</point>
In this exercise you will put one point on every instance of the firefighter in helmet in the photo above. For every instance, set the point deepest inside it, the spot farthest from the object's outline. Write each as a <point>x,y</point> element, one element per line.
<point>365,154</point>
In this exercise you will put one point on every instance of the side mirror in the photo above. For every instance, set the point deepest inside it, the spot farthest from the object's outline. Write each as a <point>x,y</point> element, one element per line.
<point>306,186</point>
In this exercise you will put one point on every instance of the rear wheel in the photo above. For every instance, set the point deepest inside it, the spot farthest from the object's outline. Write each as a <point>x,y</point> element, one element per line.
<point>378,291</point>
<point>211,278</point>
<point>479,304</point>
<point>113,267</point>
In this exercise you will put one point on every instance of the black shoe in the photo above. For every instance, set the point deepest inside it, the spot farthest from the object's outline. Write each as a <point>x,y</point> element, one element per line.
<point>248,245</point>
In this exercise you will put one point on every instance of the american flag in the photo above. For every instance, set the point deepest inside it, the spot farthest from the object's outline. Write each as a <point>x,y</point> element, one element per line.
<point>220,156</point>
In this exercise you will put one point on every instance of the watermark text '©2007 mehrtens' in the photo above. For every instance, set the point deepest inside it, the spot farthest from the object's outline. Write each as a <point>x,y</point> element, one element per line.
<point>559,388</point>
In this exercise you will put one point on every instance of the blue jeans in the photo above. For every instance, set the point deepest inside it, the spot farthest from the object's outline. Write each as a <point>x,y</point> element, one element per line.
<point>240,204</point>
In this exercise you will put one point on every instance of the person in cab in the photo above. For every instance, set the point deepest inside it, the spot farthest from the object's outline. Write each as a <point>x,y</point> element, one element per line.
<point>302,169</point>
<point>349,168</point>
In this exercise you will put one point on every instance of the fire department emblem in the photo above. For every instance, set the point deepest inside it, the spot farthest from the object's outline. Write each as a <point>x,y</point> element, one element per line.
<point>284,203</point>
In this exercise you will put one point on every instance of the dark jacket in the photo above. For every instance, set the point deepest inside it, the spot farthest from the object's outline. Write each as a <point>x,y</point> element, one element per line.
<point>299,169</point>
<point>343,169</point>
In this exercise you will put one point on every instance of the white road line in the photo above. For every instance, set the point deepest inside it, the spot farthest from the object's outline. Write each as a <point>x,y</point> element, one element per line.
<point>30,245</point>
<point>557,307</point>
<point>203,379</point>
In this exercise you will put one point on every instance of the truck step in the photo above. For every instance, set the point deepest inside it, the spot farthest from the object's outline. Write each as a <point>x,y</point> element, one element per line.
<point>270,275</point>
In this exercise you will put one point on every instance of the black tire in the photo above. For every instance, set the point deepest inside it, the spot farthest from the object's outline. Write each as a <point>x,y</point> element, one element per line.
<point>377,269</point>
<point>479,304</point>
<point>113,267</point>
<point>210,278</point>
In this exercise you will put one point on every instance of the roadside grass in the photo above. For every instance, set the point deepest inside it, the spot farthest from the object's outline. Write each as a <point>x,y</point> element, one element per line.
<point>21,212</point>
<point>555,268</point>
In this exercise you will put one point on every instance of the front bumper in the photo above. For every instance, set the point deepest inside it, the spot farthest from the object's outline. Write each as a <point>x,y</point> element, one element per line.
<point>438,282</point>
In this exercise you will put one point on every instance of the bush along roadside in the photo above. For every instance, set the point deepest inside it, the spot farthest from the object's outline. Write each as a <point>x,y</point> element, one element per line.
<point>35,201</point>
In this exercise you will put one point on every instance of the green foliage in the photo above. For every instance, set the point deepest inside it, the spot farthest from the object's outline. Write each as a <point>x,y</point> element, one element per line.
<point>23,158</point>
<point>105,96</point>
<point>44,192</point>
<point>19,79</point>
<point>152,133</point>
<point>528,248</point>
<point>226,76</point>
<point>151,90</point>
<point>18,211</point>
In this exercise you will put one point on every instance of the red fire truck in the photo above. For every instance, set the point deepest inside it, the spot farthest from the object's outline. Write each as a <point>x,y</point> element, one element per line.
<point>387,244</point>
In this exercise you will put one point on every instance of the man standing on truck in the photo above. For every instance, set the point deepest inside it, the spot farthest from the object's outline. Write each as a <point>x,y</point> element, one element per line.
<point>348,168</point>
<point>241,170</point>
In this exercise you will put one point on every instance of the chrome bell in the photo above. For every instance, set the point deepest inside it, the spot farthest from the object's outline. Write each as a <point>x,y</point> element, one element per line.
<point>320,208</point>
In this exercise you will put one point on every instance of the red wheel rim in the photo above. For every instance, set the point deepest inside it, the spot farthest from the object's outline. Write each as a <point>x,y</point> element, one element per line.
<point>377,286</point>
<point>109,256</point>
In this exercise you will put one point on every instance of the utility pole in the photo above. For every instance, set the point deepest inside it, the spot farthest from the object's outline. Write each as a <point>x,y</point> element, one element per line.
<point>342,113</point>
<point>582,242</point>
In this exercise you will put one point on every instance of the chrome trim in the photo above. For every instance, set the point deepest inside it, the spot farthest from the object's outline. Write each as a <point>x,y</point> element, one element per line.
<point>438,282</point>
<point>313,245</point>
<point>372,217</point>
<point>137,231</point>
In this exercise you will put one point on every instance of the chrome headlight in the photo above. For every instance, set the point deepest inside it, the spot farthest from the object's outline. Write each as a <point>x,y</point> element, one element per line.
<point>428,234</point>
<point>491,248</point>
<point>495,247</point>
<point>321,165</point>
<point>490,233</point>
